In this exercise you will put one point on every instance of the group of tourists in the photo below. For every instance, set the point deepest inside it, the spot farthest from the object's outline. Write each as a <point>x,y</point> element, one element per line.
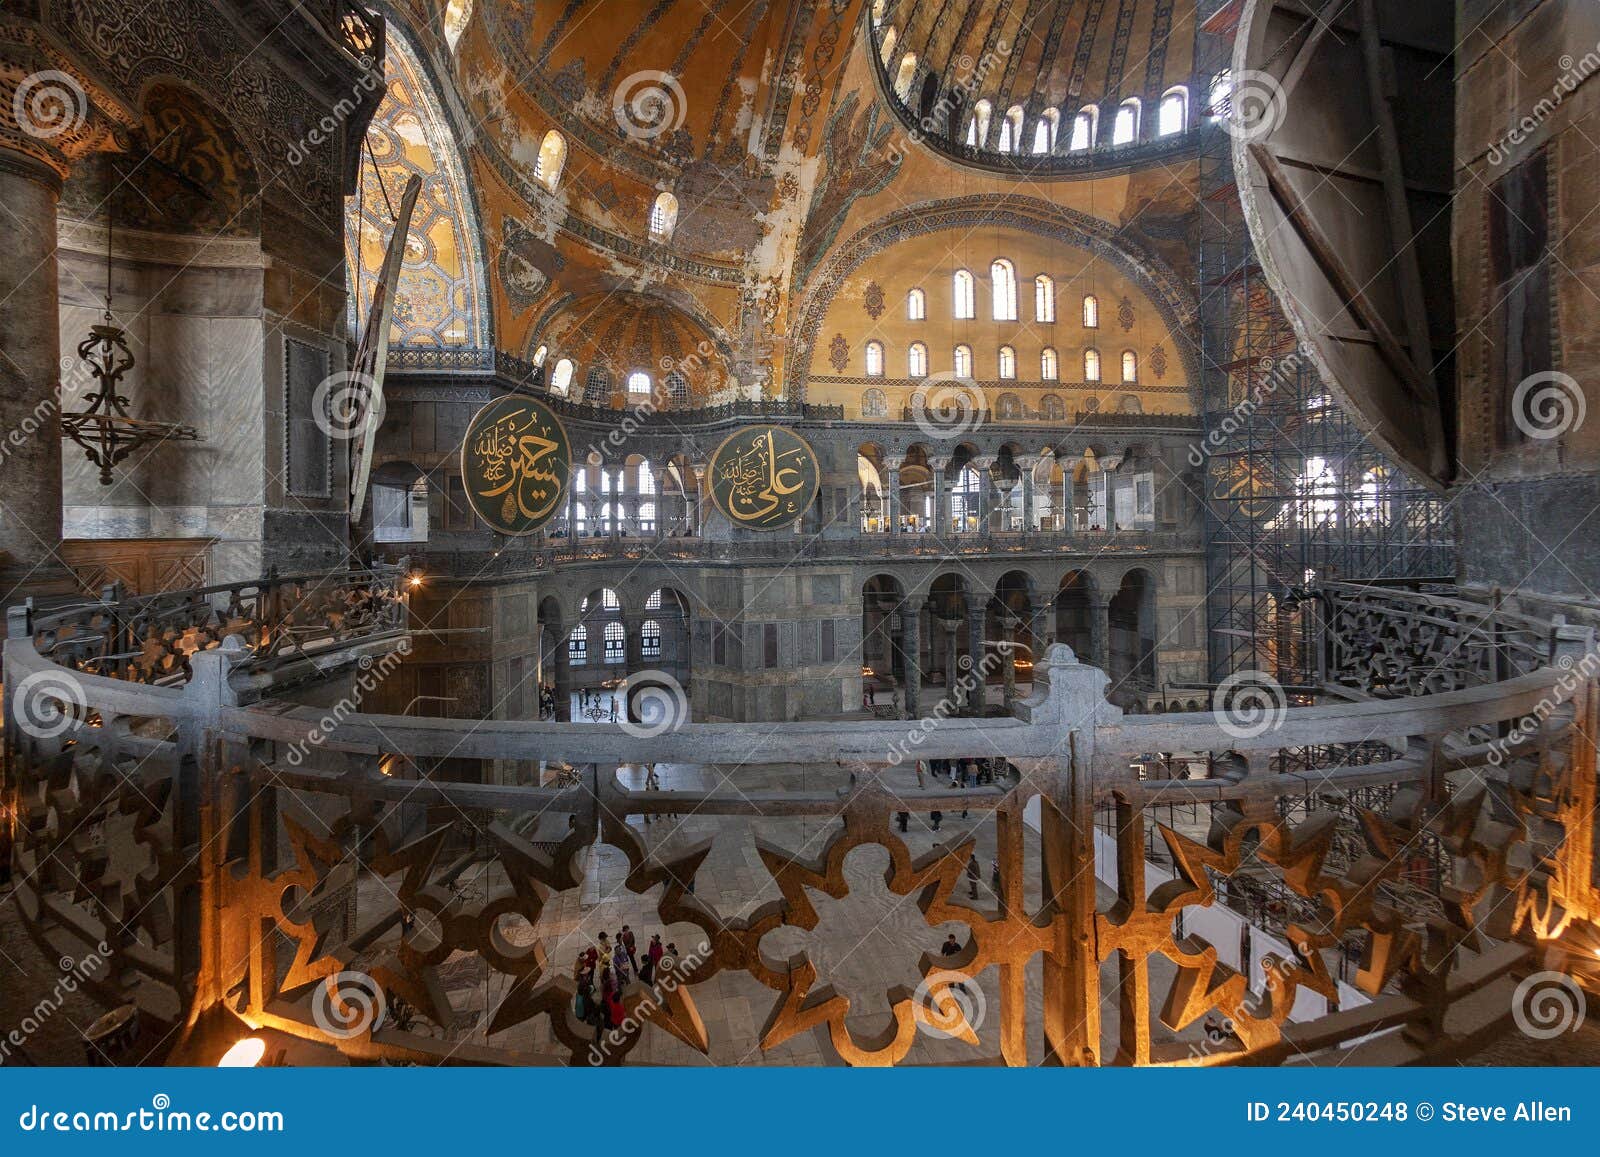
<point>607,967</point>
<point>964,772</point>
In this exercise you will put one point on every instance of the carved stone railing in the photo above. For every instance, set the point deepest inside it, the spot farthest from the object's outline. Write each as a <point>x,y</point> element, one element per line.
<point>206,853</point>
<point>276,622</point>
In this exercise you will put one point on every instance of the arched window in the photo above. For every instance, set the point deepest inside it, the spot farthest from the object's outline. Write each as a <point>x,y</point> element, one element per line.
<point>677,387</point>
<point>874,404</point>
<point>605,519</point>
<point>1091,311</point>
<point>1091,365</point>
<point>561,379</point>
<point>540,354</point>
<point>1173,116</point>
<point>917,360</point>
<point>580,517</point>
<point>456,15</point>
<point>1044,298</point>
<point>1125,129</point>
<point>639,383</point>
<point>647,518</point>
<point>887,51</point>
<point>1084,128</point>
<point>1003,289</point>
<point>978,126</point>
<point>963,361</point>
<point>616,642</point>
<point>578,646</point>
<point>1049,366</point>
<point>609,600</point>
<point>552,157</point>
<point>903,78</point>
<point>964,500</point>
<point>965,298</point>
<point>663,217</point>
<point>650,639</point>
<point>875,359</point>
<point>647,478</point>
<point>653,603</point>
<point>916,305</point>
<point>605,481</point>
<point>1130,366</point>
<point>1052,407</point>
<point>1011,130</point>
<point>597,387</point>
<point>1044,133</point>
<point>1008,362</point>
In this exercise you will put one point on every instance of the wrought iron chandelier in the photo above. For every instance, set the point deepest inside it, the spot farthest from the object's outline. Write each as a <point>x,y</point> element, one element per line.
<point>105,429</point>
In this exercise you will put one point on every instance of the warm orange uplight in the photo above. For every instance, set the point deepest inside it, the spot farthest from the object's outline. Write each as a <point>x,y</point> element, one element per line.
<point>416,581</point>
<point>246,1054</point>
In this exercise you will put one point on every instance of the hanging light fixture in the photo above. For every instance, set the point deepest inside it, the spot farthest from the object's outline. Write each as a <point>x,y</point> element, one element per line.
<point>105,429</point>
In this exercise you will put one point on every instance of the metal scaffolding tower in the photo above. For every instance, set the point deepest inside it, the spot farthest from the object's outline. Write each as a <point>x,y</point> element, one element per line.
<point>1295,492</point>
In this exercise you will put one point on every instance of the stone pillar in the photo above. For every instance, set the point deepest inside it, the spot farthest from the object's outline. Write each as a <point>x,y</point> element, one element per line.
<point>941,520</point>
<point>1044,627</point>
<point>891,470</point>
<point>1027,465</point>
<point>563,678</point>
<point>1100,632</point>
<point>660,500</point>
<point>911,650</point>
<point>692,496</point>
<point>30,379</point>
<point>985,471</point>
<point>1008,656</point>
<point>952,668</point>
<point>978,699</point>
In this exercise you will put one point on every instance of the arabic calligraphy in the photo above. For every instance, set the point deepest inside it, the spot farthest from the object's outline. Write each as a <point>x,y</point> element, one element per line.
<point>515,462</point>
<point>764,477</point>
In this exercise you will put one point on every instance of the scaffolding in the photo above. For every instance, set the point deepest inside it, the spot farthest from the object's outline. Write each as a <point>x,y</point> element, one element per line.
<point>1296,494</point>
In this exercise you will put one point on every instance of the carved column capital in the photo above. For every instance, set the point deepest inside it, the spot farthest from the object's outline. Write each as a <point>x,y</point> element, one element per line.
<point>52,114</point>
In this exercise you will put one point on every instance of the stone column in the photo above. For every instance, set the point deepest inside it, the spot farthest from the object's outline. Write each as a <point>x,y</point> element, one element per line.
<point>941,520</point>
<point>978,699</point>
<point>660,500</point>
<point>1044,627</point>
<point>911,650</point>
<point>951,667</point>
<point>30,380</point>
<point>563,678</point>
<point>985,471</point>
<point>1027,464</point>
<point>692,496</point>
<point>1008,626</point>
<point>1100,632</point>
<point>891,470</point>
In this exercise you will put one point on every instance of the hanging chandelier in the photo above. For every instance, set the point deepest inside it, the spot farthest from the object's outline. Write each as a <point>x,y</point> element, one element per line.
<point>105,429</point>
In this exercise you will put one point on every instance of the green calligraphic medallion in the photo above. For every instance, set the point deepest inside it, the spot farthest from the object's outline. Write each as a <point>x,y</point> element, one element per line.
<point>764,477</point>
<point>516,462</point>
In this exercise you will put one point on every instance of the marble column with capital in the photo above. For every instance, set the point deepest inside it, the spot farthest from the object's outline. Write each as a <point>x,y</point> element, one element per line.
<point>1100,632</point>
<point>891,470</point>
<point>940,517</point>
<point>1027,464</point>
<point>978,698</point>
<point>985,471</point>
<point>911,652</point>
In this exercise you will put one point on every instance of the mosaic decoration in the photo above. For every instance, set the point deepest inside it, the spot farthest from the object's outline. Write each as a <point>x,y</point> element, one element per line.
<point>872,301</point>
<point>521,263</point>
<point>1125,314</point>
<point>515,461</point>
<point>855,164</point>
<point>839,353</point>
<point>440,299</point>
<point>1158,361</point>
<point>764,477</point>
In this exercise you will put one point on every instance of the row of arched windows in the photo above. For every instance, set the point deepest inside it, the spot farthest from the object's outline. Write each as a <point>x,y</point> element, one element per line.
<point>552,159</point>
<point>1006,362</point>
<point>597,385</point>
<point>1002,297</point>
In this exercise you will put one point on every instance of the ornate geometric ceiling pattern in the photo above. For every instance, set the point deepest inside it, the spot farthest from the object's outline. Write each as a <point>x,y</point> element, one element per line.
<point>440,299</point>
<point>623,334</point>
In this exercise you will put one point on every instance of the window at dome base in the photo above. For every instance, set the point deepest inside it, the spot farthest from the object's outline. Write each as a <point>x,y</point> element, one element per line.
<point>663,217</point>
<point>456,15</point>
<point>440,298</point>
<point>639,382</point>
<point>552,158</point>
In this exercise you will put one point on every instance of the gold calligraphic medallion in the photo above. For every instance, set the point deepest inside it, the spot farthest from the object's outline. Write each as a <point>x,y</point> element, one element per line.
<point>764,477</point>
<point>516,462</point>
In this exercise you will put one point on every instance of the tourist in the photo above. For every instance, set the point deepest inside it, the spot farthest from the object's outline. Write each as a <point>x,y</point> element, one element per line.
<point>626,941</point>
<point>654,951</point>
<point>937,818</point>
<point>951,947</point>
<point>604,951</point>
<point>972,874</point>
<point>616,1013</point>
<point>647,969</point>
<point>903,819</point>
